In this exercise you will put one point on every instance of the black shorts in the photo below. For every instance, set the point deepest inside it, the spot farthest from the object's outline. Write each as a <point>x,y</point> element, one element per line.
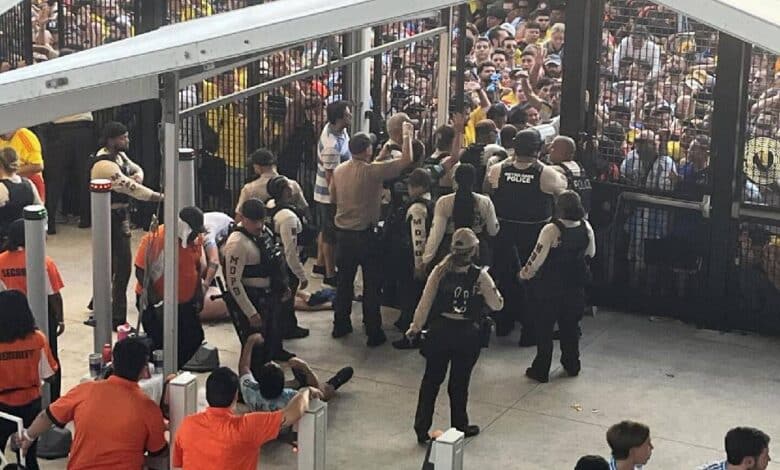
<point>327,216</point>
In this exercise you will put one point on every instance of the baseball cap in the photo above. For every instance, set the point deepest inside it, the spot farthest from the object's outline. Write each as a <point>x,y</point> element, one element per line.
<point>553,59</point>
<point>262,157</point>
<point>509,29</point>
<point>253,209</point>
<point>359,143</point>
<point>114,129</point>
<point>194,218</point>
<point>527,142</point>
<point>463,241</point>
<point>16,234</point>
<point>396,121</point>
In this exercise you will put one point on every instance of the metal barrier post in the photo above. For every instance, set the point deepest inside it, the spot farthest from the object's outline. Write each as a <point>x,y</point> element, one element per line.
<point>187,172</point>
<point>443,80</point>
<point>312,436</point>
<point>182,401</point>
<point>447,451</point>
<point>100,190</point>
<point>363,81</point>
<point>19,430</point>
<point>460,61</point>
<point>35,265</point>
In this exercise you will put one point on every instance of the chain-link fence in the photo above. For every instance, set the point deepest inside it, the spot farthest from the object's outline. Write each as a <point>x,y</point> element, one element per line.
<point>16,49</point>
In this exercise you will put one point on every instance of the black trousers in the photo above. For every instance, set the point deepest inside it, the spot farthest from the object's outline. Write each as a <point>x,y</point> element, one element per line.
<point>564,305</point>
<point>453,343</point>
<point>190,330</point>
<point>355,249</point>
<point>28,413</point>
<point>67,168</point>
<point>121,262</point>
<point>55,382</point>
<point>271,309</point>
<point>410,291</point>
<point>513,246</point>
<point>287,320</point>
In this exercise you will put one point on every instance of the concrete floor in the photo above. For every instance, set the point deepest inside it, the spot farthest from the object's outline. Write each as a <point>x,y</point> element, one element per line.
<point>690,386</point>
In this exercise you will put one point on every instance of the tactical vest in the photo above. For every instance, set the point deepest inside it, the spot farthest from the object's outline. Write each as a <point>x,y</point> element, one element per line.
<point>474,156</point>
<point>578,183</point>
<point>457,295</point>
<point>565,264</point>
<point>519,196</point>
<point>272,263</point>
<point>19,195</point>
<point>116,198</point>
<point>308,232</point>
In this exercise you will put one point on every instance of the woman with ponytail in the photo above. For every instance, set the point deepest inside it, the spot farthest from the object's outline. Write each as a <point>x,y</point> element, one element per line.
<point>463,209</point>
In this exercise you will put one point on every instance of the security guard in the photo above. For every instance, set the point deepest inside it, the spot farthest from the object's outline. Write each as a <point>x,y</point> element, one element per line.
<point>112,163</point>
<point>288,227</point>
<point>562,152</point>
<point>452,305</point>
<point>257,278</point>
<point>16,192</point>
<point>522,189</point>
<point>264,166</point>
<point>557,267</point>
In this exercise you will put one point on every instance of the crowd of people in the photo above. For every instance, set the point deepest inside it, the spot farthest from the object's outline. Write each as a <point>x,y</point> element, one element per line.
<point>468,229</point>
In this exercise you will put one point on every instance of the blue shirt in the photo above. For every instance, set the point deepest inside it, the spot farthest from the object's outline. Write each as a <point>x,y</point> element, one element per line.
<point>250,390</point>
<point>613,465</point>
<point>715,466</point>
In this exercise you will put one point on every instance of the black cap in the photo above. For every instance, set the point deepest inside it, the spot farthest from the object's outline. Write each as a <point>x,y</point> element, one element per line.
<point>253,209</point>
<point>16,234</point>
<point>275,186</point>
<point>263,157</point>
<point>527,143</point>
<point>194,218</point>
<point>359,143</point>
<point>114,129</point>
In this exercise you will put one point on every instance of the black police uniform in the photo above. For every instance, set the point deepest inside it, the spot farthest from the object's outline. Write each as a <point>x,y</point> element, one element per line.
<point>579,183</point>
<point>410,289</point>
<point>522,209</point>
<point>559,296</point>
<point>20,194</point>
<point>452,340</point>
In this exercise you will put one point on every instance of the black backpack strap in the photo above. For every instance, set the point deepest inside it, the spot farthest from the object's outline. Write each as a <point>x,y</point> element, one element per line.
<point>559,224</point>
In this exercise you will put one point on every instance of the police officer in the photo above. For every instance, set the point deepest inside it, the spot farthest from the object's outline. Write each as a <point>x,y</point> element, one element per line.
<point>451,304</point>
<point>486,134</point>
<point>256,277</point>
<point>112,163</point>
<point>264,166</point>
<point>16,192</point>
<point>522,190</point>
<point>562,152</point>
<point>288,227</point>
<point>558,271</point>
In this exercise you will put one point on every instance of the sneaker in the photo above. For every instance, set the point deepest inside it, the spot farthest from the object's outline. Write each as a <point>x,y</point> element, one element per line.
<point>297,333</point>
<point>341,331</point>
<point>376,339</point>
<point>90,321</point>
<point>470,431</point>
<point>331,281</point>
<point>423,438</point>
<point>317,269</point>
<point>283,355</point>
<point>406,343</point>
<point>532,374</point>
<point>343,376</point>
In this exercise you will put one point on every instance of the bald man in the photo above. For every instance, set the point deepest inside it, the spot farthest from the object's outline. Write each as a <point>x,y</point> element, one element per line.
<point>562,151</point>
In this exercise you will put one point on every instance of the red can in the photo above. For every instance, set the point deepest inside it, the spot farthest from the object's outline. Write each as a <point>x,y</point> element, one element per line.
<point>106,353</point>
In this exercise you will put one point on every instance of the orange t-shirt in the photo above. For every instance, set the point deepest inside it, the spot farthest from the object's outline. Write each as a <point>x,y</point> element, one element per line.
<point>28,148</point>
<point>23,363</point>
<point>115,424</point>
<point>13,273</point>
<point>217,439</point>
<point>189,262</point>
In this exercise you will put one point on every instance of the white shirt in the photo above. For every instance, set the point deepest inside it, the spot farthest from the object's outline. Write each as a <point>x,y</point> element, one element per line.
<point>485,220</point>
<point>550,237</point>
<point>419,235</point>
<point>217,226</point>
<point>649,52</point>
<point>332,149</point>
<point>288,226</point>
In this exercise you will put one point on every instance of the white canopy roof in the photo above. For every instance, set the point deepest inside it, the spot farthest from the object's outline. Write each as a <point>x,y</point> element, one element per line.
<point>753,21</point>
<point>127,71</point>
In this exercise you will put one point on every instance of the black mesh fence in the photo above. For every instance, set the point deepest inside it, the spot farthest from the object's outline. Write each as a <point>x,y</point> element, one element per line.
<point>756,278</point>
<point>15,37</point>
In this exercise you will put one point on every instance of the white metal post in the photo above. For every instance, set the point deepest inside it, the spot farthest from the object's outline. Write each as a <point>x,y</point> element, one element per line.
<point>100,195</point>
<point>312,436</point>
<point>363,85</point>
<point>169,97</point>
<point>182,401</point>
<point>35,266</point>
<point>19,430</point>
<point>447,451</point>
<point>443,80</point>
<point>187,171</point>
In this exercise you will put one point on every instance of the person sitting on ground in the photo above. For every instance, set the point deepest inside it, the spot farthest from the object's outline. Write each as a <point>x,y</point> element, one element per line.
<point>262,382</point>
<point>591,462</point>
<point>746,449</point>
<point>630,444</point>
<point>217,438</point>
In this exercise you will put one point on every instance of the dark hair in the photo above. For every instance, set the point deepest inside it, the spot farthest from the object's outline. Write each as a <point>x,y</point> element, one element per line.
<point>113,129</point>
<point>253,209</point>
<point>463,205</point>
<point>532,25</point>
<point>221,387</point>
<point>543,82</point>
<point>481,38</point>
<point>745,442</point>
<point>569,206</point>
<point>484,131</point>
<point>418,150</point>
<point>336,111</point>
<point>518,116</point>
<point>497,110</point>
<point>16,318</point>
<point>624,436</point>
<point>420,178</point>
<point>469,43</point>
<point>263,157</point>
<point>276,187</point>
<point>130,356</point>
<point>271,379</point>
<point>592,462</point>
<point>507,134</point>
<point>487,63</point>
<point>499,51</point>
<point>444,136</point>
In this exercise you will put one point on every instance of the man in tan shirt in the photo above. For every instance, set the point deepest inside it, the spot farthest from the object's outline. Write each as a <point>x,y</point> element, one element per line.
<point>356,190</point>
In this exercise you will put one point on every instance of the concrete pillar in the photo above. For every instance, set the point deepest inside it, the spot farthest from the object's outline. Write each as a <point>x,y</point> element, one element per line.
<point>312,436</point>
<point>187,175</point>
<point>100,193</point>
